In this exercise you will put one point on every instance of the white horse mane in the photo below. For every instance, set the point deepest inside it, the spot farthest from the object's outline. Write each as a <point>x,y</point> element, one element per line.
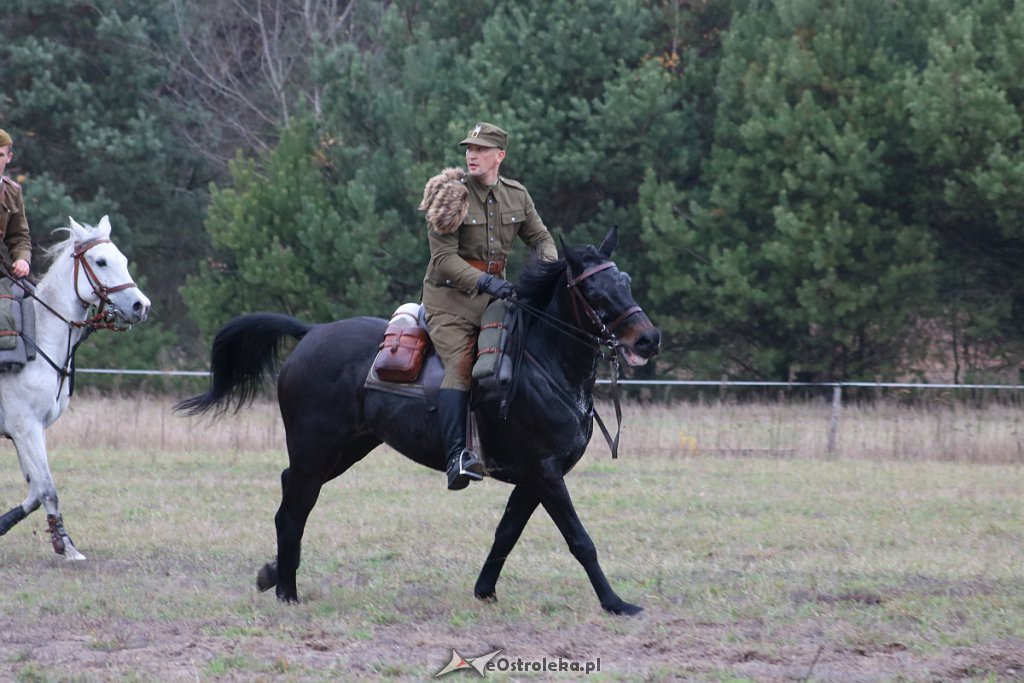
<point>77,234</point>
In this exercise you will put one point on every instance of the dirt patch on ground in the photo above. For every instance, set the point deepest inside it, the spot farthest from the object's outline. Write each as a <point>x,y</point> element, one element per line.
<point>655,646</point>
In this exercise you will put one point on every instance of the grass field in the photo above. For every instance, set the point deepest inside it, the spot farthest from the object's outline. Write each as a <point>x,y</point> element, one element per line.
<point>756,557</point>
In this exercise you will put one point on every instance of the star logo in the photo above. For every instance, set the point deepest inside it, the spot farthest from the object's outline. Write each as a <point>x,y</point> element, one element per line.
<point>459,662</point>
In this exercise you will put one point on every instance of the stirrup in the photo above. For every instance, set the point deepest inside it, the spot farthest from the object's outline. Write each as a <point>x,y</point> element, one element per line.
<point>464,469</point>
<point>471,464</point>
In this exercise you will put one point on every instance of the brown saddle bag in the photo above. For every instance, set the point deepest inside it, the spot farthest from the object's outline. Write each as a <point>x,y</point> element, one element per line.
<point>400,357</point>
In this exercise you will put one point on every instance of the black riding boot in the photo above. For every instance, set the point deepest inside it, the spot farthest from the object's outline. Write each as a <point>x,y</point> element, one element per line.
<point>463,464</point>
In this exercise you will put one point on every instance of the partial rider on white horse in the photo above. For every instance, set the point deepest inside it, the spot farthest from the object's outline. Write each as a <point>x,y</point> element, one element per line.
<point>88,272</point>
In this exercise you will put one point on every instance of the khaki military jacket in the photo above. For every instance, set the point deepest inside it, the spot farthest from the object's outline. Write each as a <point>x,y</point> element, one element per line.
<point>495,218</point>
<point>13,224</point>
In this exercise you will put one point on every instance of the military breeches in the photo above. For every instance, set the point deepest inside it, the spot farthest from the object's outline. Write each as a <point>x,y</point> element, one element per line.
<point>454,338</point>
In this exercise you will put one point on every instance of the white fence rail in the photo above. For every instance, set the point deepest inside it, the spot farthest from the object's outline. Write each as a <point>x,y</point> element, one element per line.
<point>639,382</point>
<point>834,418</point>
<point>837,393</point>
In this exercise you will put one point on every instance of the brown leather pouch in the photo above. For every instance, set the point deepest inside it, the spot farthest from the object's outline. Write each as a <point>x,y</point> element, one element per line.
<point>401,354</point>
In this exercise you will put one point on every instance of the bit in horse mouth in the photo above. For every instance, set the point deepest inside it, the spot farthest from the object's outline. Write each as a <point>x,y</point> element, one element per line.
<point>633,359</point>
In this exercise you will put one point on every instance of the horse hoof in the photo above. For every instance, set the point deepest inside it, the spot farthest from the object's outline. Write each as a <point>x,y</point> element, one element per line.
<point>266,578</point>
<point>71,554</point>
<point>487,597</point>
<point>625,610</point>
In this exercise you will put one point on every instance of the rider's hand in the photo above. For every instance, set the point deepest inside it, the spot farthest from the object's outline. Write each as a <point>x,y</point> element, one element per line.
<point>495,286</point>
<point>20,268</point>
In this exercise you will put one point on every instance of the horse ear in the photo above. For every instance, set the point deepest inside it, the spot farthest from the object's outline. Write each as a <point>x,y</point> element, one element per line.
<point>611,241</point>
<point>74,224</point>
<point>104,226</point>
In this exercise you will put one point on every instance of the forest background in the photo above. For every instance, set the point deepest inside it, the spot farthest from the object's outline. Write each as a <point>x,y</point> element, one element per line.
<point>805,189</point>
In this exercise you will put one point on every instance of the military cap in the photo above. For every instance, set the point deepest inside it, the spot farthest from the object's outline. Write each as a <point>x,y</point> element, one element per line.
<point>486,135</point>
<point>5,139</point>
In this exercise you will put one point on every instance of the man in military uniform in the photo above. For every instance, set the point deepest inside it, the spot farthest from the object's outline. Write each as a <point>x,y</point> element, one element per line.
<point>13,224</point>
<point>474,218</point>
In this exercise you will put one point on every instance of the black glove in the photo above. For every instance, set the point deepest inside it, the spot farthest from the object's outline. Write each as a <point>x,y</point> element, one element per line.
<point>495,286</point>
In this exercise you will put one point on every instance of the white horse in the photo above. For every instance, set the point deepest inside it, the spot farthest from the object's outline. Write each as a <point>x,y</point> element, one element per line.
<point>87,272</point>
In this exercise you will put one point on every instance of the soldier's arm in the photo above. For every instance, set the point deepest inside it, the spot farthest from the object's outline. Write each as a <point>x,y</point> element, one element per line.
<point>535,235</point>
<point>453,269</point>
<point>17,237</point>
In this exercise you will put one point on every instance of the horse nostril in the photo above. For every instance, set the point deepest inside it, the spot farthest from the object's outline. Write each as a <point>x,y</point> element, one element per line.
<point>137,307</point>
<point>649,343</point>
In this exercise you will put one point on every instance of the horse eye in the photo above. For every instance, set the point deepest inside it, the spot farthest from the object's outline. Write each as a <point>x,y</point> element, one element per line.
<point>102,263</point>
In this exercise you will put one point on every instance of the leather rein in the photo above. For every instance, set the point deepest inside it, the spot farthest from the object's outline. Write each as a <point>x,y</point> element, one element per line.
<point>102,320</point>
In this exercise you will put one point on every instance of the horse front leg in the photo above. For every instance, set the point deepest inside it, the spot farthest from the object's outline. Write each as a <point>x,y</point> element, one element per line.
<point>554,496</point>
<point>521,504</point>
<point>31,447</point>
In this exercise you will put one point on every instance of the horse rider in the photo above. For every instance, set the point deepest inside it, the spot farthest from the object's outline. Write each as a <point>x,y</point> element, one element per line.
<point>473,217</point>
<point>13,224</point>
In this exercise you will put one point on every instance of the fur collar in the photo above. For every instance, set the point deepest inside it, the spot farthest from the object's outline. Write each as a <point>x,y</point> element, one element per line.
<point>446,200</point>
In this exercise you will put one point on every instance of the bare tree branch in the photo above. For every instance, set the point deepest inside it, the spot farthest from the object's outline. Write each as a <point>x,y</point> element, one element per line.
<point>248,65</point>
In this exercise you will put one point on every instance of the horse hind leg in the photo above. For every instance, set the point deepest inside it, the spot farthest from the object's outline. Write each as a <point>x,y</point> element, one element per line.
<point>266,577</point>
<point>299,493</point>
<point>298,498</point>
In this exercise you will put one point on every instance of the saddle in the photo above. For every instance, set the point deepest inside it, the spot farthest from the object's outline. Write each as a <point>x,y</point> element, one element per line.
<point>407,365</point>
<point>17,320</point>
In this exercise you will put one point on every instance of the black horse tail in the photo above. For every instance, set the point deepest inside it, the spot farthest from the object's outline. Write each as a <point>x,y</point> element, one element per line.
<point>245,351</point>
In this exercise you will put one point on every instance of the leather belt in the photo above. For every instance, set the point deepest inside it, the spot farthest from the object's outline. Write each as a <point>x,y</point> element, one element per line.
<point>492,267</point>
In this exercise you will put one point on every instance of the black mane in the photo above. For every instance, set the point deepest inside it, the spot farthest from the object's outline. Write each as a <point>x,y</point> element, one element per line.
<point>538,279</point>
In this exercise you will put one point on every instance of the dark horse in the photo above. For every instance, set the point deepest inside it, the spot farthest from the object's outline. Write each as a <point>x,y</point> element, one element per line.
<point>580,303</point>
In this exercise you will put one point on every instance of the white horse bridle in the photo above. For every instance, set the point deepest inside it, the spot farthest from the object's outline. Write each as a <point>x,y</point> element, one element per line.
<point>100,321</point>
<point>101,291</point>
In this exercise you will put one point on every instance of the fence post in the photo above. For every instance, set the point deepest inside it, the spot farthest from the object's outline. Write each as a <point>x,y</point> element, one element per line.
<point>833,423</point>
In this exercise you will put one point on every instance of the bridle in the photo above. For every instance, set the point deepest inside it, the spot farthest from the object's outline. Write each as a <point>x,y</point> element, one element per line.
<point>102,292</point>
<point>599,334</point>
<point>605,333</point>
<point>102,320</point>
